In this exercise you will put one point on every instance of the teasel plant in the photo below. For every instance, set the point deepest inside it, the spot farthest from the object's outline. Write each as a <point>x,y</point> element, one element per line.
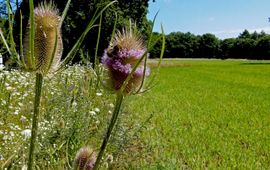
<point>85,159</point>
<point>42,53</point>
<point>125,61</point>
<point>41,50</point>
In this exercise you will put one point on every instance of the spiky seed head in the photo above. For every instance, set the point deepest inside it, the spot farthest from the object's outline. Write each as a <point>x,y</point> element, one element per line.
<point>85,159</point>
<point>128,39</point>
<point>47,40</point>
<point>125,51</point>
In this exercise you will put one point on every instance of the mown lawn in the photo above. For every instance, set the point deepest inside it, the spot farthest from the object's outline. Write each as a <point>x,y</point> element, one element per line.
<point>208,114</point>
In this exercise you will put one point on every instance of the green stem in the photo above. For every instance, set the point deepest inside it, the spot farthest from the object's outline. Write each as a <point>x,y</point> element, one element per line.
<point>38,87</point>
<point>109,131</point>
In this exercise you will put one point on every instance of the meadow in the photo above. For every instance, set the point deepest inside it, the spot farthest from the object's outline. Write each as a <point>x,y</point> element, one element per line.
<point>200,114</point>
<point>208,114</point>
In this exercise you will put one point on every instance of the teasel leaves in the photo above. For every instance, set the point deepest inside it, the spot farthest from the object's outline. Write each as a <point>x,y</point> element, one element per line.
<point>48,44</point>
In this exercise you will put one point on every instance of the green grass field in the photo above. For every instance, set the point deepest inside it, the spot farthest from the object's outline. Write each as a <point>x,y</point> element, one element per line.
<point>201,114</point>
<point>208,114</point>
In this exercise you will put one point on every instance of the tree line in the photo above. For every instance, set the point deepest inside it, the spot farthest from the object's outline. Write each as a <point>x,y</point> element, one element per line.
<point>187,45</point>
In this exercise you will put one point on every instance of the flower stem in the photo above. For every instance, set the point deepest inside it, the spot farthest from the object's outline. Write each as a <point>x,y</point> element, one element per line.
<point>109,131</point>
<point>38,87</point>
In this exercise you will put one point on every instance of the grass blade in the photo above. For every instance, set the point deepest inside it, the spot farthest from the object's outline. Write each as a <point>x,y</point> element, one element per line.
<point>114,27</point>
<point>64,13</point>
<point>163,39</point>
<point>4,41</point>
<point>14,55</point>
<point>145,59</point>
<point>32,59</point>
<point>77,45</point>
<point>21,36</point>
<point>97,45</point>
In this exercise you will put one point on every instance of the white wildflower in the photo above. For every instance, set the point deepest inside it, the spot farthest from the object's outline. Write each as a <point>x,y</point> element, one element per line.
<point>9,88</point>
<point>20,104</point>
<point>97,110</point>
<point>99,94</point>
<point>24,167</point>
<point>23,119</point>
<point>2,158</point>
<point>7,85</point>
<point>92,113</point>
<point>16,112</point>
<point>4,102</point>
<point>12,134</point>
<point>109,158</point>
<point>26,133</point>
<point>5,137</point>
<point>74,104</point>
<point>17,94</point>
<point>111,105</point>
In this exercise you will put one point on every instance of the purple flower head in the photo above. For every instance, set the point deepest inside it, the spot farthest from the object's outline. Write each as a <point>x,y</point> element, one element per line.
<point>119,66</point>
<point>85,159</point>
<point>120,59</point>
<point>106,60</point>
<point>133,53</point>
<point>141,70</point>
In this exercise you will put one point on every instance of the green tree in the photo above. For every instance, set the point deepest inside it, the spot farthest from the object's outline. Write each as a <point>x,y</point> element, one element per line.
<point>263,48</point>
<point>245,34</point>
<point>79,14</point>
<point>208,46</point>
<point>181,45</point>
<point>244,48</point>
<point>226,48</point>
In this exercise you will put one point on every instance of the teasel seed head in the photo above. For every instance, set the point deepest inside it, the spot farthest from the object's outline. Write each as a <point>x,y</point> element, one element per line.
<point>47,40</point>
<point>85,159</point>
<point>125,51</point>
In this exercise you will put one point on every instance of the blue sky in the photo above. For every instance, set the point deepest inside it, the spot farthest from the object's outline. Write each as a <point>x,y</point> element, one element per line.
<point>224,18</point>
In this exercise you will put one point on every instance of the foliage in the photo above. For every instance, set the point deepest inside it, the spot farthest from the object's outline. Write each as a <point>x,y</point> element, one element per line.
<point>186,45</point>
<point>263,50</point>
<point>208,46</point>
<point>80,13</point>
<point>180,44</point>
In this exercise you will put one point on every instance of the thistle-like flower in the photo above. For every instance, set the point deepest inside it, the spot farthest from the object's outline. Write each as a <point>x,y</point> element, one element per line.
<point>85,159</point>
<point>47,40</point>
<point>125,51</point>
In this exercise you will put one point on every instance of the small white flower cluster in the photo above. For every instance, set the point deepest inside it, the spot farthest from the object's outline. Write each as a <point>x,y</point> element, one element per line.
<point>65,97</point>
<point>1,63</point>
<point>26,133</point>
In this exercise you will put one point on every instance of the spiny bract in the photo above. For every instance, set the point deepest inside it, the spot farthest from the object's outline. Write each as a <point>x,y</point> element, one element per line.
<point>47,40</point>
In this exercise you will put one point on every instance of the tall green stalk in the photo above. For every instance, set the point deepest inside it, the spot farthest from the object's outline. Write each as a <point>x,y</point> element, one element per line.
<point>38,87</point>
<point>116,111</point>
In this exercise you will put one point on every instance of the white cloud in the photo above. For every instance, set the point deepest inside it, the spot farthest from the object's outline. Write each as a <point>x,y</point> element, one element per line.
<point>235,32</point>
<point>265,29</point>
